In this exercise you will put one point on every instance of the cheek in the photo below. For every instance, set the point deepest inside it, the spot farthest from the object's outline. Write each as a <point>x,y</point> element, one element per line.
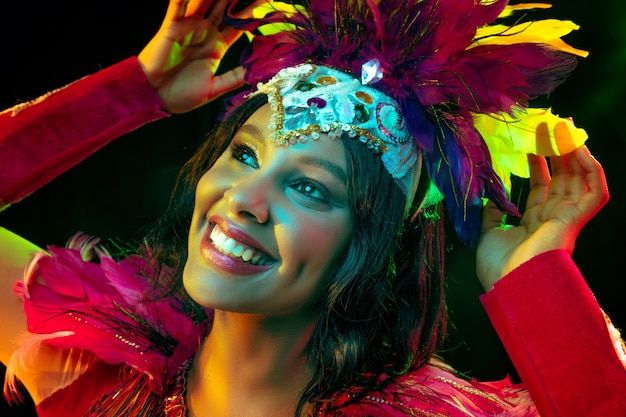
<point>210,188</point>
<point>202,201</point>
<point>314,244</point>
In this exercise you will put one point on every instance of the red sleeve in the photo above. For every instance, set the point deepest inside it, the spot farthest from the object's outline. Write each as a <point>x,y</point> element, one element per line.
<point>42,139</point>
<point>557,337</point>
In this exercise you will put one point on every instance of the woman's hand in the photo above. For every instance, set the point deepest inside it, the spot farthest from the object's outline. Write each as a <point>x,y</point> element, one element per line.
<point>181,60</point>
<point>559,204</point>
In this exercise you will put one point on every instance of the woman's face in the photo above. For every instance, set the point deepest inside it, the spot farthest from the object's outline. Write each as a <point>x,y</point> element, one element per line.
<point>270,224</point>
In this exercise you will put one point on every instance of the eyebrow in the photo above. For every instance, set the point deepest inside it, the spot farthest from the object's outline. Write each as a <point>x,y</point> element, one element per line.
<point>334,169</point>
<point>251,130</point>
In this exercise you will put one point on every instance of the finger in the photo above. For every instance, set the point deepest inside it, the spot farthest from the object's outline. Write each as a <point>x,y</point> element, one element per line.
<point>539,172</point>
<point>575,167</point>
<point>230,35</point>
<point>213,10</point>
<point>227,81</point>
<point>539,180</point>
<point>493,217</point>
<point>559,165</point>
<point>594,175</point>
<point>577,183</point>
<point>559,168</point>
<point>176,10</point>
<point>200,7</point>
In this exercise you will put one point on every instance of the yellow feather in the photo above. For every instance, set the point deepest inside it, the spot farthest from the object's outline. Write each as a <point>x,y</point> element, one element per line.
<point>547,32</point>
<point>533,131</point>
<point>273,6</point>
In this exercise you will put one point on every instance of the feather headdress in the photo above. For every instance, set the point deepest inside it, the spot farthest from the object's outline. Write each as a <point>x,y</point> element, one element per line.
<point>461,76</point>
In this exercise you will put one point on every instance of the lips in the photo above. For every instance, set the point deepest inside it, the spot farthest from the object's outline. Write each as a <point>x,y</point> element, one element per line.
<point>231,247</point>
<point>233,250</point>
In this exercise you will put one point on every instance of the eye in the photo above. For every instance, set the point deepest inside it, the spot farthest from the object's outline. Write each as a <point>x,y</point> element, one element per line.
<point>246,155</point>
<point>311,189</point>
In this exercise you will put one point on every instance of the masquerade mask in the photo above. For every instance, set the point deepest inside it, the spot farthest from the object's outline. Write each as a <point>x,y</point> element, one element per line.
<point>309,100</point>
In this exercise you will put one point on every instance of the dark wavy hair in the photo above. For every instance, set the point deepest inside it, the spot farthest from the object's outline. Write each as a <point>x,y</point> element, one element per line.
<point>383,312</point>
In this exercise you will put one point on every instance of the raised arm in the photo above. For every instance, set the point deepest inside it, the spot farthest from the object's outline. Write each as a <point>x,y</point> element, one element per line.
<point>174,73</point>
<point>41,139</point>
<point>561,201</point>
<point>565,349</point>
<point>181,60</point>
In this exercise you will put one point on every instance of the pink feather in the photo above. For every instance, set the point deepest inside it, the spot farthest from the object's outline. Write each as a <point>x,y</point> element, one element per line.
<point>72,303</point>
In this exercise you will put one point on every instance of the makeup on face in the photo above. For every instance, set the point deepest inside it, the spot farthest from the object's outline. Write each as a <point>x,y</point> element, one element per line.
<point>270,223</point>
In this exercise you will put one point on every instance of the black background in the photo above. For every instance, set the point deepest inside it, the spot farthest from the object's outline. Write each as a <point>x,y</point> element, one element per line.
<point>123,187</point>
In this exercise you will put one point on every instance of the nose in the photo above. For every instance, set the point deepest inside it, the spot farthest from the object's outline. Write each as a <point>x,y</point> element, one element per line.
<point>249,199</point>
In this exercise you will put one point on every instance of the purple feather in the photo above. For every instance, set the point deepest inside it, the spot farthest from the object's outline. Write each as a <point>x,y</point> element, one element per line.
<point>432,68</point>
<point>460,167</point>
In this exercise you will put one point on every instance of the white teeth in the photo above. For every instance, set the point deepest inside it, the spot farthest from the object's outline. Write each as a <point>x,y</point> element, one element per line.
<point>238,251</point>
<point>247,255</point>
<point>228,246</point>
<point>217,237</point>
<point>231,247</point>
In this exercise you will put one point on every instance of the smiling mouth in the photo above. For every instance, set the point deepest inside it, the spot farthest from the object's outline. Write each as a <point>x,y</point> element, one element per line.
<point>230,247</point>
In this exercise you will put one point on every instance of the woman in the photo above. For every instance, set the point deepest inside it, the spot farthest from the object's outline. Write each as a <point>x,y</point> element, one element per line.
<point>348,325</point>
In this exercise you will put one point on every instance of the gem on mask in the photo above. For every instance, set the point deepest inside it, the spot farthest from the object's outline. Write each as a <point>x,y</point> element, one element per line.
<point>371,72</point>
<point>304,86</point>
<point>295,110</point>
<point>326,80</point>
<point>345,111</point>
<point>361,114</point>
<point>391,122</point>
<point>318,102</point>
<point>364,97</point>
<point>292,123</point>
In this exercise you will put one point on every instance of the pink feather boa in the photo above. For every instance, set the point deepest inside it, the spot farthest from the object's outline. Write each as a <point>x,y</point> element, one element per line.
<point>102,308</point>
